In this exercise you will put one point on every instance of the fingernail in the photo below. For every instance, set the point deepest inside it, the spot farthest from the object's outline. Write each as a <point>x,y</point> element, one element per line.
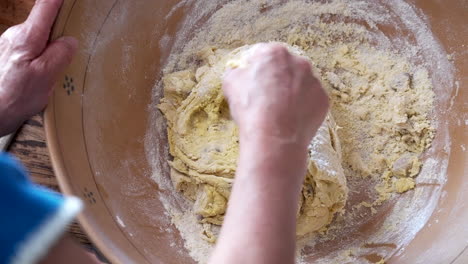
<point>71,41</point>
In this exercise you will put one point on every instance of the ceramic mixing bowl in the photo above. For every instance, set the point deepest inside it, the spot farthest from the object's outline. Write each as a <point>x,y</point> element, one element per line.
<point>99,115</point>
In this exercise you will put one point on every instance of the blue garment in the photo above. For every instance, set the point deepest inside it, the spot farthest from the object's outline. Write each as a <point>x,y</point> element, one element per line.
<point>32,217</point>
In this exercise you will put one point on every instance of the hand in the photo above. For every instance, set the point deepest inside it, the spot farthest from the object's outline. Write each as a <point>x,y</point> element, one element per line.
<point>276,95</point>
<point>29,65</point>
<point>278,105</point>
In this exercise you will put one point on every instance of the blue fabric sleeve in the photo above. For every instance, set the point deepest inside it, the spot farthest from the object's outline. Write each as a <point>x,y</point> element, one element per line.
<point>32,217</point>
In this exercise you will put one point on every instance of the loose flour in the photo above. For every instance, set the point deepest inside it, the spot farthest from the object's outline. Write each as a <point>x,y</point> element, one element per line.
<point>381,93</point>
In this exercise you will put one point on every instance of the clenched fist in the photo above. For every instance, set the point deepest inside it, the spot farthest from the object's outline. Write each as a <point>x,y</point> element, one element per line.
<point>276,95</point>
<point>29,65</point>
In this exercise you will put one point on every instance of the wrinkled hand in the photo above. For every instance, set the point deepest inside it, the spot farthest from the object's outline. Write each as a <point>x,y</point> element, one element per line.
<point>278,105</point>
<point>29,65</point>
<point>276,95</point>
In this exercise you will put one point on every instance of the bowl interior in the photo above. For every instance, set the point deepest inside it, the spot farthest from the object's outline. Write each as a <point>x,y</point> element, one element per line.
<point>100,112</point>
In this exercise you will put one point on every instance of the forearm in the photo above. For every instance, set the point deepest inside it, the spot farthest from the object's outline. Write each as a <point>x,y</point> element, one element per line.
<point>261,220</point>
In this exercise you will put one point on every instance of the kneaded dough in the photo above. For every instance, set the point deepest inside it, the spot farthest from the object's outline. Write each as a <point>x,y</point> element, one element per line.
<point>204,143</point>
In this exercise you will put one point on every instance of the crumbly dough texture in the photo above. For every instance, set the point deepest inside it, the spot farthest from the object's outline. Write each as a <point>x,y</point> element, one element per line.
<point>204,142</point>
<point>380,92</point>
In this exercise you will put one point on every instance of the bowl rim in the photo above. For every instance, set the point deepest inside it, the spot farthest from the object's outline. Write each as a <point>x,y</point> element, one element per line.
<point>59,168</point>
<point>55,153</point>
<point>53,146</point>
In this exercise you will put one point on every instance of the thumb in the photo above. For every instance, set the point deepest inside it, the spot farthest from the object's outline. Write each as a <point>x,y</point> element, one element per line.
<point>56,56</point>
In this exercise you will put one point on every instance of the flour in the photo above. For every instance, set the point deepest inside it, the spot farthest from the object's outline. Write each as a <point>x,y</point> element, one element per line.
<point>380,65</point>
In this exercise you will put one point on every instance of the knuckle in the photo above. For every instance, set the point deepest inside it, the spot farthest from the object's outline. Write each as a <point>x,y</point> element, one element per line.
<point>18,39</point>
<point>321,97</point>
<point>16,57</point>
<point>12,33</point>
<point>304,64</point>
<point>274,50</point>
<point>52,3</point>
<point>231,75</point>
<point>277,50</point>
<point>20,59</point>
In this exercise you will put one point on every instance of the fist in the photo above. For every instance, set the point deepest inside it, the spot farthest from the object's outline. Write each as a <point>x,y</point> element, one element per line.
<point>276,96</point>
<point>29,65</point>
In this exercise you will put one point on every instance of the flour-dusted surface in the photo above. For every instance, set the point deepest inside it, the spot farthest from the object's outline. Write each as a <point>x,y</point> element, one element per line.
<point>380,64</point>
<point>204,143</point>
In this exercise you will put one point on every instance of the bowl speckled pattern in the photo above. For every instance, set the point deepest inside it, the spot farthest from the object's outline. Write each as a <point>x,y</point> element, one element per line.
<point>98,116</point>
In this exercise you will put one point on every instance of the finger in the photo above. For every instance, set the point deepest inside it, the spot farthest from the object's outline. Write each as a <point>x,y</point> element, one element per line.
<point>228,73</point>
<point>232,75</point>
<point>302,63</point>
<point>267,52</point>
<point>56,57</point>
<point>41,19</point>
<point>230,78</point>
<point>227,81</point>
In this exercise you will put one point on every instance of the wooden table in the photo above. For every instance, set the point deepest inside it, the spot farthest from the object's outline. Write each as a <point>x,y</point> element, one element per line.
<point>29,145</point>
<point>30,148</point>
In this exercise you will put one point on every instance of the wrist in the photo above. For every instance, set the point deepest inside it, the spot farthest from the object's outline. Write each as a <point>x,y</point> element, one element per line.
<point>3,117</point>
<point>259,138</point>
<point>261,143</point>
<point>269,158</point>
<point>7,119</point>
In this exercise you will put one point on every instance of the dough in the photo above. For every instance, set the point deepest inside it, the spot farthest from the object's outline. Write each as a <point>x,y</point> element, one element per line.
<point>203,140</point>
<point>381,96</point>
